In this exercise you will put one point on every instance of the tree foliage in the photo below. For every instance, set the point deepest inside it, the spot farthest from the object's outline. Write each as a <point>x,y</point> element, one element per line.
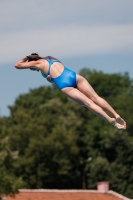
<point>9,182</point>
<point>52,139</point>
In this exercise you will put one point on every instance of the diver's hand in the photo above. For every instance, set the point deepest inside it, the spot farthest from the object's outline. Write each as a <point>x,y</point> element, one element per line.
<point>49,79</point>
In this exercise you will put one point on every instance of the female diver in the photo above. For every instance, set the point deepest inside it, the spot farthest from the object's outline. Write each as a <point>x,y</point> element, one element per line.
<point>72,84</point>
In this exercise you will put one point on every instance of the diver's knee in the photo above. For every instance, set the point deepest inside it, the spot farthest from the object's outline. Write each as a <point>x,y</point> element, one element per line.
<point>88,103</point>
<point>95,98</point>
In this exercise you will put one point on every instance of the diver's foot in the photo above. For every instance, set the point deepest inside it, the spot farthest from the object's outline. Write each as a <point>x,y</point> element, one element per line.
<point>118,123</point>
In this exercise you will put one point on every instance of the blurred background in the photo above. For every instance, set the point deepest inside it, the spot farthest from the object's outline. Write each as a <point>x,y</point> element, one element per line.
<point>46,140</point>
<point>93,34</point>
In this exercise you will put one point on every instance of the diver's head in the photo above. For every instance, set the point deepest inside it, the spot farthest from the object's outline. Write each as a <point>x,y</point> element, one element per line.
<point>33,56</point>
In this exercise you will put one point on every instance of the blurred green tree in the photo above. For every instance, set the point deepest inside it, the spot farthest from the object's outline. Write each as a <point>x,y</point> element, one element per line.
<point>9,183</point>
<point>56,138</point>
<point>43,130</point>
<point>110,149</point>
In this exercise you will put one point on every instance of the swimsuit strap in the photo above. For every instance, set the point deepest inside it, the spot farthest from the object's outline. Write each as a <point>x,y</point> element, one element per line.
<point>50,61</point>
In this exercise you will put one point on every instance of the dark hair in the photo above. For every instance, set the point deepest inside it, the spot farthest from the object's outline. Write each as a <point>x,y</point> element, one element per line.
<point>34,56</point>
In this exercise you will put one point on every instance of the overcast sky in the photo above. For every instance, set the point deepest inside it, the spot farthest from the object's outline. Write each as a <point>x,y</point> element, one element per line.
<point>81,33</point>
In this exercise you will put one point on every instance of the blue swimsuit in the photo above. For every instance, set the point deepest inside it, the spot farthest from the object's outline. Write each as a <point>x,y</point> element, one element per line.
<point>66,79</point>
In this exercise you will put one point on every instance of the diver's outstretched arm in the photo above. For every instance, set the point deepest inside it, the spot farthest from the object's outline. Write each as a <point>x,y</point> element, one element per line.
<point>23,64</point>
